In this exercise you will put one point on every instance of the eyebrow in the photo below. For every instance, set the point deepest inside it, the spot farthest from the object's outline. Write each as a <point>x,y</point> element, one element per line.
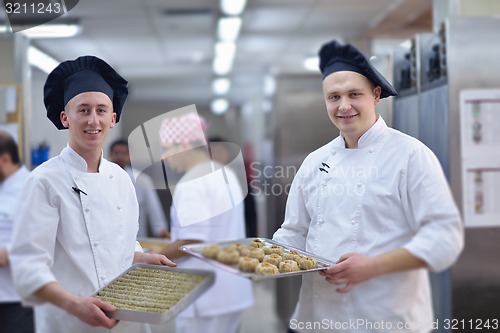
<point>349,91</point>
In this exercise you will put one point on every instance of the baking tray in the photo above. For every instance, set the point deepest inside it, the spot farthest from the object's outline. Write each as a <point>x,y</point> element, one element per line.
<point>150,243</point>
<point>162,317</point>
<point>196,250</point>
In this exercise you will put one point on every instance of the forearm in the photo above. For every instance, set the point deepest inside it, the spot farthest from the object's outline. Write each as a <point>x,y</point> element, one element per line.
<point>172,250</point>
<point>4,257</point>
<point>398,261</point>
<point>57,295</point>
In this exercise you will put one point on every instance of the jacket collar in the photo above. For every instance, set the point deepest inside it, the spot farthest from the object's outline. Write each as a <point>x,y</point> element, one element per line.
<point>75,160</point>
<point>368,138</point>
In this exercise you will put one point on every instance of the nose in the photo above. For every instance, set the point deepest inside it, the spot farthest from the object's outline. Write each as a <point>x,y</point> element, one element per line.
<point>344,105</point>
<point>92,119</point>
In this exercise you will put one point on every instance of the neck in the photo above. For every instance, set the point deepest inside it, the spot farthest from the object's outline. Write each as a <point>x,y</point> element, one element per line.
<point>11,169</point>
<point>91,157</point>
<point>196,157</point>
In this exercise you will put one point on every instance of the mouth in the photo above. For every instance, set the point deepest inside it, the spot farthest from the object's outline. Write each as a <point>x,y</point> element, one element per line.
<point>347,117</point>
<point>92,132</point>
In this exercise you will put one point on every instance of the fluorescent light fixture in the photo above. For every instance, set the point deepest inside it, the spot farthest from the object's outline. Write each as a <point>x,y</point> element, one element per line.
<point>41,60</point>
<point>233,7</point>
<point>228,28</point>
<point>221,85</point>
<point>269,85</point>
<point>406,44</point>
<point>219,106</point>
<point>49,30</point>
<point>224,57</point>
<point>311,63</point>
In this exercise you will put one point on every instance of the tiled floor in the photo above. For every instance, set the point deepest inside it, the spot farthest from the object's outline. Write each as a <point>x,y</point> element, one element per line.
<point>259,318</point>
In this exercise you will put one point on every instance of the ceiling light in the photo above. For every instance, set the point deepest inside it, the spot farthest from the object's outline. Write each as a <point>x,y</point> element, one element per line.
<point>406,44</point>
<point>233,7</point>
<point>228,28</point>
<point>219,106</point>
<point>47,30</point>
<point>41,60</point>
<point>269,85</point>
<point>311,63</point>
<point>224,57</point>
<point>221,85</point>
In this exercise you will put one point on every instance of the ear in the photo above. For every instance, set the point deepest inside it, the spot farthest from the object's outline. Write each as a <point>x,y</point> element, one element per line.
<point>376,92</point>
<point>64,119</point>
<point>113,120</point>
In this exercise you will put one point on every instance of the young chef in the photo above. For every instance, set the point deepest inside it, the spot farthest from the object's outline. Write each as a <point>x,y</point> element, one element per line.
<point>78,221</point>
<point>376,202</point>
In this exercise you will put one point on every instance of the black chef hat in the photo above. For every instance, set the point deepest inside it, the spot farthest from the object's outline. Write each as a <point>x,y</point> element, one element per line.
<point>335,57</point>
<point>85,74</point>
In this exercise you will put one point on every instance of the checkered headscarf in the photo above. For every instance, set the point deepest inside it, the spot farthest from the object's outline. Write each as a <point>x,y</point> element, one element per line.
<point>183,129</point>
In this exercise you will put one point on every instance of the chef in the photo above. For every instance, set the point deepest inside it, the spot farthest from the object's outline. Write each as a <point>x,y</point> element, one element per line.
<point>374,201</point>
<point>78,220</point>
<point>197,215</point>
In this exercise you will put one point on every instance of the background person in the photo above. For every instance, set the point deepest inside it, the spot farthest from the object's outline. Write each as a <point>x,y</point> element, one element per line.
<point>78,221</point>
<point>220,152</point>
<point>151,215</point>
<point>14,318</point>
<point>198,194</point>
<point>373,200</point>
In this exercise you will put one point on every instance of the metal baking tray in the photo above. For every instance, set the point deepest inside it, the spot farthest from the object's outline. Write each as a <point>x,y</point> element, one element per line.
<point>197,249</point>
<point>149,243</point>
<point>162,317</point>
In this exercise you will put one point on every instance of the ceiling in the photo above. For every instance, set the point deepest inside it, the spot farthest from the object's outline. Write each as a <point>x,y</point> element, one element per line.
<point>164,48</point>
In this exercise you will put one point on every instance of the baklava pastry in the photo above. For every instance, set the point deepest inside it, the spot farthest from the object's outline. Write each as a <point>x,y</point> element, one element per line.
<point>273,249</point>
<point>228,256</point>
<point>288,266</point>
<point>273,258</point>
<point>256,253</point>
<point>256,243</point>
<point>307,263</point>
<point>211,251</point>
<point>248,264</point>
<point>242,249</point>
<point>292,255</point>
<point>266,268</point>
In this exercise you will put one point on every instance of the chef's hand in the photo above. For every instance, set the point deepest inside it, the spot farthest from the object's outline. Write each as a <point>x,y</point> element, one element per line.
<point>92,311</point>
<point>4,257</point>
<point>152,258</point>
<point>165,234</point>
<point>351,269</point>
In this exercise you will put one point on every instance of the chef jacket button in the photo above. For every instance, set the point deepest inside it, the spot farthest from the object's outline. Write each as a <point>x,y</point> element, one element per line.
<point>86,210</point>
<point>371,150</point>
<point>111,177</point>
<point>323,183</point>
<point>119,208</point>
<point>320,221</point>
<point>96,244</point>
<point>103,277</point>
<point>333,152</point>
<point>352,221</point>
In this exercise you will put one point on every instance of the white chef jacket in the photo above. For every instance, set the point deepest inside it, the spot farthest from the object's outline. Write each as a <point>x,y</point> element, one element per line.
<point>388,193</point>
<point>10,193</point>
<point>81,240</point>
<point>150,209</point>
<point>230,293</point>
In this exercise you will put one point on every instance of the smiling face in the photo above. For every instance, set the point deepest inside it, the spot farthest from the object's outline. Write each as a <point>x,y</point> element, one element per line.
<point>350,102</point>
<point>88,116</point>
